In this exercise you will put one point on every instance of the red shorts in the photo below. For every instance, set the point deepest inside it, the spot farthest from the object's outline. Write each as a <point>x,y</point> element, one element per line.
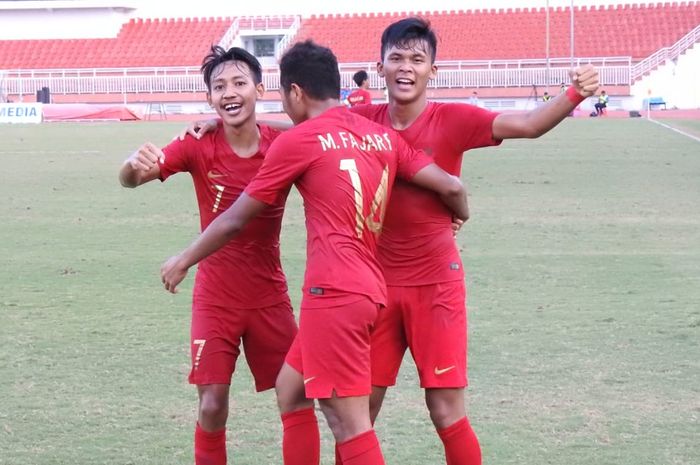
<point>216,337</point>
<point>430,320</point>
<point>332,348</point>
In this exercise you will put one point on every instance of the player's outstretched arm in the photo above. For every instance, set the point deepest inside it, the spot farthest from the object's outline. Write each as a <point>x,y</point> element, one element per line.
<point>224,228</point>
<point>584,83</point>
<point>450,189</point>
<point>142,166</point>
<point>198,128</point>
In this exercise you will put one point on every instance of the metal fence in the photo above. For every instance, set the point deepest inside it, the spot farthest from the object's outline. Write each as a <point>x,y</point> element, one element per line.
<point>451,75</point>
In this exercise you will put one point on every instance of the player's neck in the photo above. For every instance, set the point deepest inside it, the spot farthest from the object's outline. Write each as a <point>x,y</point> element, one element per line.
<point>317,107</point>
<point>244,139</point>
<point>403,114</point>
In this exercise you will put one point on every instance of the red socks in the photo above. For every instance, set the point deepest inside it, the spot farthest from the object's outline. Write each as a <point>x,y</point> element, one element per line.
<point>301,443</point>
<point>209,448</point>
<point>461,444</point>
<point>363,449</point>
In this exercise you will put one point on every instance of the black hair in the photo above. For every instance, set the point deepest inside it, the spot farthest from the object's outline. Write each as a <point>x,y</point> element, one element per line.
<point>312,67</point>
<point>405,33</point>
<point>360,77</point>
<point>219,55</point>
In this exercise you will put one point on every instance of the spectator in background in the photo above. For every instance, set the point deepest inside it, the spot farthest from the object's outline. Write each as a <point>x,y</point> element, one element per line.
<point>546,97</point>
<point>360,96</point>
<point>474,99</point>
<point>602,103</point>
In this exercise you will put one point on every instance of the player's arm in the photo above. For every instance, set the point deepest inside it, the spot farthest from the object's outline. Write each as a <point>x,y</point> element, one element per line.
<point>198,128</point>
<point>142,166</point>
<point>584,83</point>
<point>224,228</point>
<point>448,187</point>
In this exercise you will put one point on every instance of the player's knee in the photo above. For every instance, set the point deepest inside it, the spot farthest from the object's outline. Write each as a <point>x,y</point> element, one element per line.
<point>213,407</point>
<point>333,419</point>
<point>290,399</point>
<point>445,406</point>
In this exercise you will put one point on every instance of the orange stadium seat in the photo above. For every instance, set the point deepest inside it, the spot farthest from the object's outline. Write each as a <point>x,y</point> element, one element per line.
<point>618,30</point>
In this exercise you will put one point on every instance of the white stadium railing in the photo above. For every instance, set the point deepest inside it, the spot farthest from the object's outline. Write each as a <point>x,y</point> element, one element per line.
<point>451,75</point>
<point>665,54</point>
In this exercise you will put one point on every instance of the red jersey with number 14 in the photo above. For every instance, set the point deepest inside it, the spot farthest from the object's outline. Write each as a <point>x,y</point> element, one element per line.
<point>417,246</point>
<point>344,167</point>
<point>246,272</point>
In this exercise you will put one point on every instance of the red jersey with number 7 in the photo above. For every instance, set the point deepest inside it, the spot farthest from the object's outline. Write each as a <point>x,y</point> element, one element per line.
<point>246,272</point>
<point>344,167</point>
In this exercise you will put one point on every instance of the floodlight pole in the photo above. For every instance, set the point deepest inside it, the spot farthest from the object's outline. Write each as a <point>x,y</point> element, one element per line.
<point>571,30</point>
<point>546,50</point>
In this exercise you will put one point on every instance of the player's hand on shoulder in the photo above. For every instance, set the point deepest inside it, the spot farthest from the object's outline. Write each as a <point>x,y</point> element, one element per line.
<point>198,128</point>
<point>146,157</point>
<point>585,80</point>
<point>172,273</point>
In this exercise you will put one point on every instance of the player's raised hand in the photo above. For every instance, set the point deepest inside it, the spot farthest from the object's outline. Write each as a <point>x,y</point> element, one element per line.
<point>585,80</point>
<point>172,273</point>
<point>146,157</point>
<point>198,128</point>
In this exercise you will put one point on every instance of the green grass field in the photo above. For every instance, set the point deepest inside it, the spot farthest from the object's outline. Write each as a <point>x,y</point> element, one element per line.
<point>583,259</point>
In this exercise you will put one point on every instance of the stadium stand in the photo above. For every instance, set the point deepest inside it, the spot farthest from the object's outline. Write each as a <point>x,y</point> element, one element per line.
<point>620,30</point>
<point>501,52</point>
<point>140,43</point>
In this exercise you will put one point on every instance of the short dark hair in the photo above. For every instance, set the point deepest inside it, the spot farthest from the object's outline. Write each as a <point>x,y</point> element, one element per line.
<point>360,77</point>
<point>312,67</point>
<point>219,55</point>
<point>405,33</point>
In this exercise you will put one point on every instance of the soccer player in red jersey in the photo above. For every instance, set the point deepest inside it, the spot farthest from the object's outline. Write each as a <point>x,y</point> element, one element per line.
<point>240,293</point>
<point>426,309</point>
<point>344,167</point>
<point>360,96</point>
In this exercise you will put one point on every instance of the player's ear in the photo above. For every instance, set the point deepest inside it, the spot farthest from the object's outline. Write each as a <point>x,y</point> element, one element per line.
<point>433,72</point>
<point>296,92</point>
<point>209,100</point>
<point>260,89</point>
<point>380,69</point>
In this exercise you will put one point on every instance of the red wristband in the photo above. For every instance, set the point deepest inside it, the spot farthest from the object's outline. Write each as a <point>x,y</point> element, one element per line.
<point>573,96</point>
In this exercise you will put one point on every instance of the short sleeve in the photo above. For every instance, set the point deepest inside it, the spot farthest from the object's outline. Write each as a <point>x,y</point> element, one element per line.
<point>468,126</point>
<point>177,157</point>
<point>284,162</point>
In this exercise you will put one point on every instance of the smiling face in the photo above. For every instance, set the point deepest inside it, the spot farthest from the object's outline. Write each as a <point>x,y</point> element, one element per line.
<point>233,93</point>
<point>407,69</point>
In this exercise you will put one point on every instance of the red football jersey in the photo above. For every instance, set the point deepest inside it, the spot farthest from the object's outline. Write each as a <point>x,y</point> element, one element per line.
<point>247,272</point>
<point>344,167</point>
<point>359,97</point>
<point>417,246</point>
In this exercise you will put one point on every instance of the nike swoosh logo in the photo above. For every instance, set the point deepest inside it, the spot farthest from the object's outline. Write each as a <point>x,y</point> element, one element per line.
<point>440,371</point>
<point>308,380</point>
<point>213,175</point>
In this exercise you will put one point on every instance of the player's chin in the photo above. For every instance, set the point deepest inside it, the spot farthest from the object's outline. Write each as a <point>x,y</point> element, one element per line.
<point>236,119</point>
<point>405,95</point>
